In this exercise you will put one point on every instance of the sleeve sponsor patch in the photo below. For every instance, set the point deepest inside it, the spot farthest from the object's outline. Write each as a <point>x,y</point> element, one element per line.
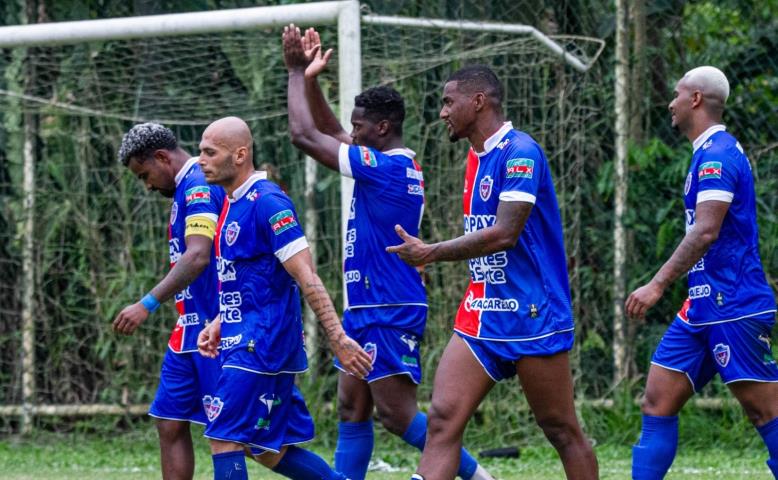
<point>200,194</point>
<point>282,221</point>
<point>200,225</point>
<point>368,157</point>
<point>709,170</point>
<point>520,168</point>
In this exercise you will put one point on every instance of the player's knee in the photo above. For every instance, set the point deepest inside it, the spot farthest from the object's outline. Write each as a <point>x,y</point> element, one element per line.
<point>394,418</point>
<point>651,404</point>
<point>560,431</point>
<point>171,431</point>
<point>441,420</point>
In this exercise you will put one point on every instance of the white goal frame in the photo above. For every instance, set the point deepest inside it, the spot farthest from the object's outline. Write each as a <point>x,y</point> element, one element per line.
<point>346,14</point>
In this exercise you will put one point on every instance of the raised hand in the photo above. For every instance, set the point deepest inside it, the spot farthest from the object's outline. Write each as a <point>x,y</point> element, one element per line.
<point>313,52</point>
<point>294,56</point>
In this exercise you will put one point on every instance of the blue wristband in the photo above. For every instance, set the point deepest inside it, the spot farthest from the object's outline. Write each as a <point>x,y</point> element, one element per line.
<point>150,302</point>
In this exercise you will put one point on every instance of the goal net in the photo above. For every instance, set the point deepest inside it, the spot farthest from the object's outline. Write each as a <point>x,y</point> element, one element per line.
<point>99,240</point>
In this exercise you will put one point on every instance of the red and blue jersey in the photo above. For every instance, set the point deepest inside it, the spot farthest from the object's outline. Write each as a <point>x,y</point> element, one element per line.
<point>388,191</point>
<point>261,329</point>
<point>522,293</point>
<point>728,282</point>
<point>195,210</point>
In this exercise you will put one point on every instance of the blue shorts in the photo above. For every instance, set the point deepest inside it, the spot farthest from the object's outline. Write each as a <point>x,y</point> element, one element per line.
<point>499,358</point>
<point>738,351</point>
<point>393,352</point>
<point>185,380</point>
<point>264,412</point>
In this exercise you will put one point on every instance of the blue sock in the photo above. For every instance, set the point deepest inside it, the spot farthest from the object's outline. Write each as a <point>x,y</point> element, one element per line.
<point>355,446</point>
<point>769,433</point>
<point>654,453</point>
<point>300,464</point>
<point>416,435</point>
<point>230,465</point>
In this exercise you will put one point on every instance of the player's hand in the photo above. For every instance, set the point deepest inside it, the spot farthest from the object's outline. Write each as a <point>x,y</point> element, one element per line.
<point>642,299</point>
<point>294,56</point>
<point>413,251</point>
<point>209,339</point>
<point>351,356</point>
<point>317,60</point>
<point>130,318</point>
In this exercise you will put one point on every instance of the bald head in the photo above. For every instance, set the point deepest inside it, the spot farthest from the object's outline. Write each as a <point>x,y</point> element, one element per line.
<point>712,83</point>
<point>230,132</point>
<point>226,153</point>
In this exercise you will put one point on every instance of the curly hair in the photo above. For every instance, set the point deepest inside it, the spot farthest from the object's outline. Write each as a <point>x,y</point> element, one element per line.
<point>383,103</point>
<point>143,139</point>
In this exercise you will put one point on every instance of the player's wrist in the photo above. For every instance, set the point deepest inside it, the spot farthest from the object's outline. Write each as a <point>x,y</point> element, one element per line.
<point>150,302</point>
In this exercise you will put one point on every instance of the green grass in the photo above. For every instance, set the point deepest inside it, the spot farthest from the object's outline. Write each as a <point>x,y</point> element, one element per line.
<point>134,455</point>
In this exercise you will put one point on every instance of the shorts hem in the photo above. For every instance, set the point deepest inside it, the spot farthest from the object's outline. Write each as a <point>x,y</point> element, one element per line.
<point>160,417</point>
<point>290,372</point>
<point>529,339</point>
<point>694,387</point>
<point>383,376</point>
<point>759,380</point>
<point>254,445</point>
<point>488,374</point>
<point>715,322</point>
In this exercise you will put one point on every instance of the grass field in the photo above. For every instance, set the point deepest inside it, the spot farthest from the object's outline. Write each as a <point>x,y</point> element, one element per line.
<point>133,455</point>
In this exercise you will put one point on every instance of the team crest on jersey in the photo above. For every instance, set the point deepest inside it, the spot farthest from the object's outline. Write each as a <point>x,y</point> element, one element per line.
<point>688,185</point>
<point>213,407</point>
<point>199,194</point>
<point>282,221</point>
<point>721,353</point>
<point>709,170</point>
<point>368,157</point>
<point>520,168</point>
<point>485,188</point>
<point>173,213</point>
<point>231,233</point>
<point>372,350</point>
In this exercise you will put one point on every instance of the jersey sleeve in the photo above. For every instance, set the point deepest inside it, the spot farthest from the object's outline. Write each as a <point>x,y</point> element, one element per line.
<point>522,170</point>
<point>202,203</point>
<point>717,176</point>
<point>279,225</point>
<point>364,164</point>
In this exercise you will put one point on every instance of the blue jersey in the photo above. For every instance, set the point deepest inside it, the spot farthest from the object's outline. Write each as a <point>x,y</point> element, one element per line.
<point>195,210</point>
<point>262,329</point>
<point>728,282</point>
<point>522,293</point>
<point>388,190</point>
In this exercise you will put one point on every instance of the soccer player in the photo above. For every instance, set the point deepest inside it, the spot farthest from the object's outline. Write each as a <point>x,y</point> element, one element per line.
<point>263,263</point>
<point>515,317</point>
<point>387,303</point>
<point>152,153</point>
<point>724,325</point>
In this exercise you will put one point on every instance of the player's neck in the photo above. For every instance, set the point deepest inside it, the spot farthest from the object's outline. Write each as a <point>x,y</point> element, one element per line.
<point>239,180</point>
<point>392,143</point>
<point>700,127</point>
<point>485,128</point>
<point>178,159</point>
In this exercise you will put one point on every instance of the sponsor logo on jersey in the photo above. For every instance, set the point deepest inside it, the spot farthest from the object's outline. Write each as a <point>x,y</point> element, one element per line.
<point>372,350</point>
<point>173,213</point>
<point>225,269</point>
<point>414,189</point>
<point>184,294</point>
<point>231,233</point>
<point>229,307</point>
<point>229,342</point>
<point>414,174</point>
<point>212,406</point>
<point>409,361</point>
<point>699,291</point>
<point>270,400</point>
<point>188,319</point>
<point>351,237</point>
<point>699,266</point>
<point>707,144</point>
<point>691,216</point>
<point>688,184</point>
<point>199,194</point>
<point>409,340</point>
<point>352,213</point>
<point>282,221</point>
<point>252,195</point>
<point>520,168</point>
<point>721,354</point>
<point>502,144</point>
<point>709,170</point>
<point>485,188</point>
<point>473,223</point>
<point>491,304</point>
<point>368,157</point>
<point>174,250</point>
<point>352,276</point>
<point>489,268</point>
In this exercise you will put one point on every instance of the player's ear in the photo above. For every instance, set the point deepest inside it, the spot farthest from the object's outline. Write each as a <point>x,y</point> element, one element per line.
<point>479,101</point>
<point>242,156</point>
<point>161,156</point>
<point>696,98</point>
<point>383,127</point>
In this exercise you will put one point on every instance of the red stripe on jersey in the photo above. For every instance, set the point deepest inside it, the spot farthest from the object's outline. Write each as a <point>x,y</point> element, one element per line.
<point>176,340</point>
<point>683,312</point>
<point>468,321</point>
<point>471,171</point>
<point>417,167</point>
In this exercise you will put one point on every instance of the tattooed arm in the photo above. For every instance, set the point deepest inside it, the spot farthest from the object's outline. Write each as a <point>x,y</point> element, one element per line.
<point>351,356</point>
<point>709,216</point>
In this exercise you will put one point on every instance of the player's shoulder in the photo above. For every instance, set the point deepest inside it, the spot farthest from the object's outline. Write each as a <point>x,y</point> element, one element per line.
<point>267,194</point>
<point>517,143</point>
<point>722,147</point>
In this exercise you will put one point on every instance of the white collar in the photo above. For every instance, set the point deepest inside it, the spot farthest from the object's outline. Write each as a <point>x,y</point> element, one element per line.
<point>243,189</point>
<point>697,143</point>
<point>185,169</point>
<point>493,140</point>
<point>406,152</point>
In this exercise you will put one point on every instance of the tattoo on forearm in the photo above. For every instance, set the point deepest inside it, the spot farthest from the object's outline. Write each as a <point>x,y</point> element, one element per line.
<point>321,304</point>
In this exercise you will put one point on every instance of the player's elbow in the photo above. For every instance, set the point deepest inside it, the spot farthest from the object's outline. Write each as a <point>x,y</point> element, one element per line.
<point>506,239</point>
<point>707,236</point>
<point>198,259</point>
<point>299,136</point>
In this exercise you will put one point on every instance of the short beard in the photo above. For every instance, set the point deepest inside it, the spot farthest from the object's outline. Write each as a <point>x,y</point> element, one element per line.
<point>453,137</point>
